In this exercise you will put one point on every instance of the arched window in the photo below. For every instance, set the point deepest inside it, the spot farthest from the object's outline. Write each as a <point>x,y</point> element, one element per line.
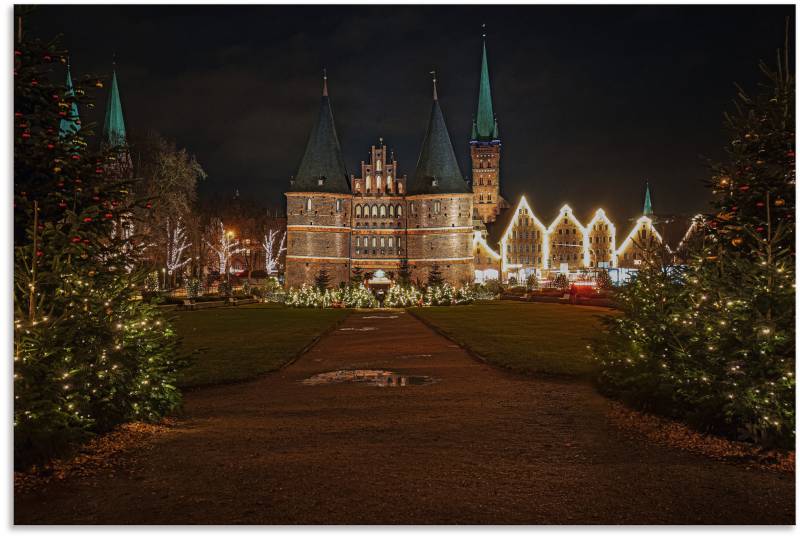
<point>413,208</point>
<point>338,205</point>
<point>374,241</point>
<point>383,242</point>
<point>391,242</point>
<point>358,211</point>
<point>437,207</point>
<point>358,241</point>
<point>389,182</point>
<point>398,242</point>
<point>399,210</point>
<point>400,187</point>
<point>383,211</point>
<point>374,211</point>
<point>378,167</point>
<point>377,182</point>
<point>391,211</point>
<point>308,204</point>
<point>369,183</point>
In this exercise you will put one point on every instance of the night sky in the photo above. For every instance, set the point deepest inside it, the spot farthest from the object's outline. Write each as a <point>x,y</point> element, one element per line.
<point>591,100</point>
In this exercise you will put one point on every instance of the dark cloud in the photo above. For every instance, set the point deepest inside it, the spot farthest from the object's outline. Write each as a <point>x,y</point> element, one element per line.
<point>591,100</point>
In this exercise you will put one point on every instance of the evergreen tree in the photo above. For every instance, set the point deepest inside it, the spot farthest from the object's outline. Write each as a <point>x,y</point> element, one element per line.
<point>357,276</point>
<point>435,278</point>
<point>87,354</point>
<point>604,280</point>
<point>532,283</point>
<point>560,281</point>
<point>713,342</point>
<point>322,280</point>
<point>404,273</point>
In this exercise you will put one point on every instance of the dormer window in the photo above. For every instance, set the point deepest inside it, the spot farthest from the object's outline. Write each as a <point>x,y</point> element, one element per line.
<point>434,181</point>
<point>320,181</point>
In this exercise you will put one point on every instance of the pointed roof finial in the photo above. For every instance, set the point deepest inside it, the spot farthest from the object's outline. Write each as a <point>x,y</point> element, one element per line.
<point>435,95</point>
<point>324,82</point>
<point>648,204</point>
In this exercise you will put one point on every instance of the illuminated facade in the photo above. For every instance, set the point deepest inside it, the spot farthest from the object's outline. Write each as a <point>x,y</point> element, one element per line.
<point>379,220</point>
<point>524,245</point>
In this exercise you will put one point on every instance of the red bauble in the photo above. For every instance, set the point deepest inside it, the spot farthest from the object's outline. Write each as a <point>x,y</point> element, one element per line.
<point>760,204</point>
<point>109,215</point>
<point>760,229</point>
<point>50,146</point>
<point>76,157</point>
<point>34,82</point>
<point>744,187</point>
<point>39,253</point>
<point>25,135</point>
<point>62,205</point>
<point>87,219</point>
<point>76,239</point>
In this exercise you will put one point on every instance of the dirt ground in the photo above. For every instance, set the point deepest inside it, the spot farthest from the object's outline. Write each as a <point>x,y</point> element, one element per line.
<point>478,445</point>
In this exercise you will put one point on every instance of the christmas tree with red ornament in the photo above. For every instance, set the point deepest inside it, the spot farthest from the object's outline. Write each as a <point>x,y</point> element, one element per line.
<point>88,354</point>
<point>713,342</point>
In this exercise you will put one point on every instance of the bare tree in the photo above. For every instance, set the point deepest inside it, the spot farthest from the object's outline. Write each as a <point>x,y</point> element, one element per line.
<point>224,244</point>
<point>177,244</point>
<point>273,249</point>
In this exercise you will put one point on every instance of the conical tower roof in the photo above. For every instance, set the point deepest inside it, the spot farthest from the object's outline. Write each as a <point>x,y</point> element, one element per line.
<point>486,122</point>
<point>322,168</point>
<point>648,205</point>
<point>114,125</point>
<point>72,122</point>
<point>437,168</point>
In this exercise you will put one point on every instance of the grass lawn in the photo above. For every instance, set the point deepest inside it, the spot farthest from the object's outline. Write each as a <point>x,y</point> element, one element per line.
<point>242,342</point>
<point>524,337</point>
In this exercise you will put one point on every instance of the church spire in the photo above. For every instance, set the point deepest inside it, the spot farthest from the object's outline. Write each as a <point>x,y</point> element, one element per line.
<point>322,168</point>
<point>70,124</point>
<point>114,125</point>
<point>485,117</point>
<point>648,205</point>
<point>437,168</point>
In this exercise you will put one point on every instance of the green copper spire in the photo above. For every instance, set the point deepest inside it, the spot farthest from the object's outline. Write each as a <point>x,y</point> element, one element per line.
<point>114,126</point>
<point>72,122</point>
<point>648,205</point>
<point>486,120</point>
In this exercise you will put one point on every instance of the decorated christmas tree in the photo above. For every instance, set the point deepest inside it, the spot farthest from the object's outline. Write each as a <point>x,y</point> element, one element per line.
<point>712,343</point>
<point>87,353</point>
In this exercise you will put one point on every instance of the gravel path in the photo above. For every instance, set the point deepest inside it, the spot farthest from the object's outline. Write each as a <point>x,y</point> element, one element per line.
<point>478,445</point>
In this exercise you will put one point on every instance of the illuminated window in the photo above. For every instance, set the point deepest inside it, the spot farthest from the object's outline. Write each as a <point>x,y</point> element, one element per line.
<point>338,205</point>
<point>374,211</point>
<point>391,242</point>
<point>308,204</point>
<point>358,211</point>
<point>391,211</point>
<point>399,210</point>
<point>374,241</point>
<point>400,187</point>
<point>378,182</point>
<point>369,183</point>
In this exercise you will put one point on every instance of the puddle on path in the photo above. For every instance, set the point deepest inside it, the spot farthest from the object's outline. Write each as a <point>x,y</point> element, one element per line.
<point>378,378</point>
<point>365,328</point>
